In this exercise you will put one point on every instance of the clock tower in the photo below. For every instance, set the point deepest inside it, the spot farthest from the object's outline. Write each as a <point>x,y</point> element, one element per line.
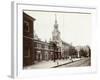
<point>56,33</point>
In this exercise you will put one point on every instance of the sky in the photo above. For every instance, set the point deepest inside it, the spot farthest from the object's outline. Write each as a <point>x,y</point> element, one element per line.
<point>75,28</point>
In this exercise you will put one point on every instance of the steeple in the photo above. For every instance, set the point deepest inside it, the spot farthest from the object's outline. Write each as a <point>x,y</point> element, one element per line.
<point>55,19</point>
<point>56,32</point>
<point>56,25</point>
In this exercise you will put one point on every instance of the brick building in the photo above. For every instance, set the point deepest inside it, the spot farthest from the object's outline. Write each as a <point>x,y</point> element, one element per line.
<point>28,29</point>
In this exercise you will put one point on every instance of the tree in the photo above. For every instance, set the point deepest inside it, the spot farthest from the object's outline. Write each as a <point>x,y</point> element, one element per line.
<point>89,51</point>
<point>83,53</point>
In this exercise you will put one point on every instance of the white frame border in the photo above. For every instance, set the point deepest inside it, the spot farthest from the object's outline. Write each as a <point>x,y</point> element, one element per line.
<point>16,66</point>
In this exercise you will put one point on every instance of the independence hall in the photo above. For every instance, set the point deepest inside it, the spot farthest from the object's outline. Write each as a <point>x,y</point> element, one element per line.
<point>36,50</point>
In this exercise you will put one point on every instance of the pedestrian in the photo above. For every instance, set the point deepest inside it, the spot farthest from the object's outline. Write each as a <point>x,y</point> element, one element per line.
<point>57,63</point>
<point>70,58</point>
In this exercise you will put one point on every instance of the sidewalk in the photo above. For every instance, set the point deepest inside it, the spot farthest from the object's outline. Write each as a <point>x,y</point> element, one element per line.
<point>51,64</point>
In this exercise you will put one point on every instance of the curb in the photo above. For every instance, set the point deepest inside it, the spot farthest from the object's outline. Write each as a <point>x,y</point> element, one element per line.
<point>64,64</point>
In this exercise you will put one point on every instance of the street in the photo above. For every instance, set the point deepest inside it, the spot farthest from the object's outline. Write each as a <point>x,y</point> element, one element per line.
<point>82,62</point>
<point>77,62</point>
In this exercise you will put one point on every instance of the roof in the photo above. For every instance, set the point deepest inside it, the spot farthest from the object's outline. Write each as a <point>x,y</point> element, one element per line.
<point>40,41</point>
<point>63,42</point>
<point>28,16</point>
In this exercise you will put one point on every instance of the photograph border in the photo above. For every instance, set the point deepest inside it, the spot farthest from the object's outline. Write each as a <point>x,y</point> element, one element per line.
<point>17,38</point>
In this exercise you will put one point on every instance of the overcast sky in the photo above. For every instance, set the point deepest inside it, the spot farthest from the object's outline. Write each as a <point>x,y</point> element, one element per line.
<point>75,28</point>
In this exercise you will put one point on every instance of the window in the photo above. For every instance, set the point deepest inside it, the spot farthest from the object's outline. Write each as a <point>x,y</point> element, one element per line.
<point>27,52</point>
<point>26,26</point>
<point>35,44</point>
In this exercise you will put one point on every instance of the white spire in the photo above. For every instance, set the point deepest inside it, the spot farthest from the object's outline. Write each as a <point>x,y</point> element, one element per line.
<point>56,32</point>
<point>55,19</point>
<point>56,25</point>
